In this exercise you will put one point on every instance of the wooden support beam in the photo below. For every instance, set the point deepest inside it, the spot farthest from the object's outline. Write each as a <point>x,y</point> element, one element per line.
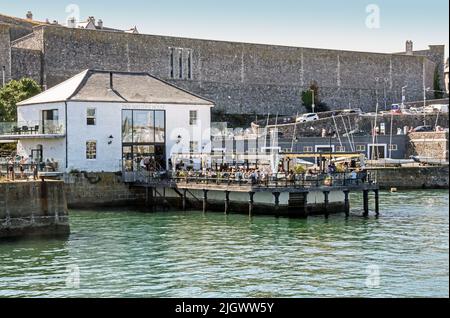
<point>251,202</point>
<point>277,202</point>
<point>184,199</point>
<point>227,202</point>
<point>366,202</point>
<point>305,204</point>
<point>377,202</point>
<point>326,202</point>
<point>205,200</point>
<point>347,202</point>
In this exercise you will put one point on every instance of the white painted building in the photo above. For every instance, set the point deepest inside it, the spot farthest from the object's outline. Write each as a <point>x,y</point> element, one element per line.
<point>104,121</point>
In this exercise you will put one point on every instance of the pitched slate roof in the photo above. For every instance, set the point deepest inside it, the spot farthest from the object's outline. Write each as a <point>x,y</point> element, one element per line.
<point>111,86</point>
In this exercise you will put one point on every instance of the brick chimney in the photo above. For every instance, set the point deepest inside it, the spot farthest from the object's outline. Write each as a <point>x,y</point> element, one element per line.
<point>409,47</point>
<point>29,15</point>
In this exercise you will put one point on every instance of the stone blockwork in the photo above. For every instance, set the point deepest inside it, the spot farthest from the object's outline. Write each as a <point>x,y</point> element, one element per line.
<point>5,52</point>
<point>91,190</point>
<point>21,67</point>
<point>33,208</point>
<point>413,177</point>
<point>241,78</point>
<point>429,145</point>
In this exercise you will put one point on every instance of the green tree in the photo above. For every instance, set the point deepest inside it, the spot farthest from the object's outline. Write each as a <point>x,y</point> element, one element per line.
<point>437,85</point>
<point>307,99</point>
<point>14,92</point>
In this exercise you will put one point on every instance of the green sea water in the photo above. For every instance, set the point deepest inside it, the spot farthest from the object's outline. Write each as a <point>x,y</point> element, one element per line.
<point>124,253</point>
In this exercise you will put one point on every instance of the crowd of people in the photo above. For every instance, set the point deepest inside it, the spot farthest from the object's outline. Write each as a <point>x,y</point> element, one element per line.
<point>264,175</point>
<point>25,168</point>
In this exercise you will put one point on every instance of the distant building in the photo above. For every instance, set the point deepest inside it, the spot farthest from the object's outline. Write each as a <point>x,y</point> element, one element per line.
<point>105,121</point>
<point>241,78</point>
<point>446,76</point>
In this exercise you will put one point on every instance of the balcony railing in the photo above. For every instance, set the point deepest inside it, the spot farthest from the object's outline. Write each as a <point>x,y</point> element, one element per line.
<point>47,127</point>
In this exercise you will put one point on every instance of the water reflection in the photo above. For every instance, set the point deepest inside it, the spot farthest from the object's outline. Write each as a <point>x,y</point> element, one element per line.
<point>193,254</point>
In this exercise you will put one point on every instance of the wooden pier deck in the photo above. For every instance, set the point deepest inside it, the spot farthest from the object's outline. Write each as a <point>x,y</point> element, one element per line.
<point>296,190</point>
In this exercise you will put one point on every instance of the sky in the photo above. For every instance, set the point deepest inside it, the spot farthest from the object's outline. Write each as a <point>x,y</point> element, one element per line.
<point>357,25</point>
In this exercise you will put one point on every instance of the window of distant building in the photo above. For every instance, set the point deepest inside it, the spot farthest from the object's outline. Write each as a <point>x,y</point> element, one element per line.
<point>91,117</point>
<point>393,147</point>
<point>180,60</point>
<point>91,150</point>
<point>308,149</point>
<point>193,117</point>
<point>172,62</point>
<point>189,64</point>
<point>180,63</point>
<point>360,147</point>
<point>193,146</point>
<point>340,148</point>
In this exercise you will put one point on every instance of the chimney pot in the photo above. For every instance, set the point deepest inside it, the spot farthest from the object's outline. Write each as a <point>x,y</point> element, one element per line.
<point>29,15</point>
<point>100,23</point>
<point>409,47</point>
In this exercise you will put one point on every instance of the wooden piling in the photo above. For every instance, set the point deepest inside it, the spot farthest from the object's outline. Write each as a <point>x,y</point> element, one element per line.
<point>346,202</point>
<point>205,200</point>
<point>227,201</point>
<point>366,202</point>
<point>184,199</point>
<point>251,202</point>
<point>377,202</point>
<point>326,202</point>
<point>277,202</point>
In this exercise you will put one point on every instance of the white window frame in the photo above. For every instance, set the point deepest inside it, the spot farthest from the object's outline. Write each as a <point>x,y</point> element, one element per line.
<point>324,146</point>
<point>308,149</point>
<point>195,122</point>
<point>340,148</point>
<point>86,150</point>
<point>370,146</point>
<point>88,117</point>
<point>193,146</point>
<point>393,147</point>
<point>361,148</point>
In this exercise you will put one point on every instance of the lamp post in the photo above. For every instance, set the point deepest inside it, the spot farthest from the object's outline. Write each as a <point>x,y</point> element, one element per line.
<point>313,106</point>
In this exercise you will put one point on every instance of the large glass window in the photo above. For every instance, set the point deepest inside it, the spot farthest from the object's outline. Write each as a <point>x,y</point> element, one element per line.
<point>127,126</point>
<point>143,126</point>
<point>143,139</point>
<point>160,127</point>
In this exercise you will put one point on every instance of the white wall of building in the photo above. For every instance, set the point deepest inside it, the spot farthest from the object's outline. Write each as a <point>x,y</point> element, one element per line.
<point>31,115</point>
<point>109,123</point>
<point>51,149</point>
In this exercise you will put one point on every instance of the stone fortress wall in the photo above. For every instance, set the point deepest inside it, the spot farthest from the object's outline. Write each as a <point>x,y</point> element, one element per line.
<point>241,78</point>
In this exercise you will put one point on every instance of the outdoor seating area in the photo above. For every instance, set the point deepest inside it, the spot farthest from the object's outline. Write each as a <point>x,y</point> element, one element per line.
<point>31,128</point>
<point>24,169</point>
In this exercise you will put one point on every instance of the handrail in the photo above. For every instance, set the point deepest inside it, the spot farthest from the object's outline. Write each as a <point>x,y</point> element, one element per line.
<point>273,181</point>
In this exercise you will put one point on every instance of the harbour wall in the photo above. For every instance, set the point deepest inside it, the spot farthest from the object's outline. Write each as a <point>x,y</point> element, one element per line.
<point>33,209</point>
<point>95,190</point>
<point>413,177</point>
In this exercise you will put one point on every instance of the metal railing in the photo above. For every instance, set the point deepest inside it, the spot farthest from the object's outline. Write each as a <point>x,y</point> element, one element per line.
<point>47,127</point>
<point>16,171</point>
<point>270,181</point>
